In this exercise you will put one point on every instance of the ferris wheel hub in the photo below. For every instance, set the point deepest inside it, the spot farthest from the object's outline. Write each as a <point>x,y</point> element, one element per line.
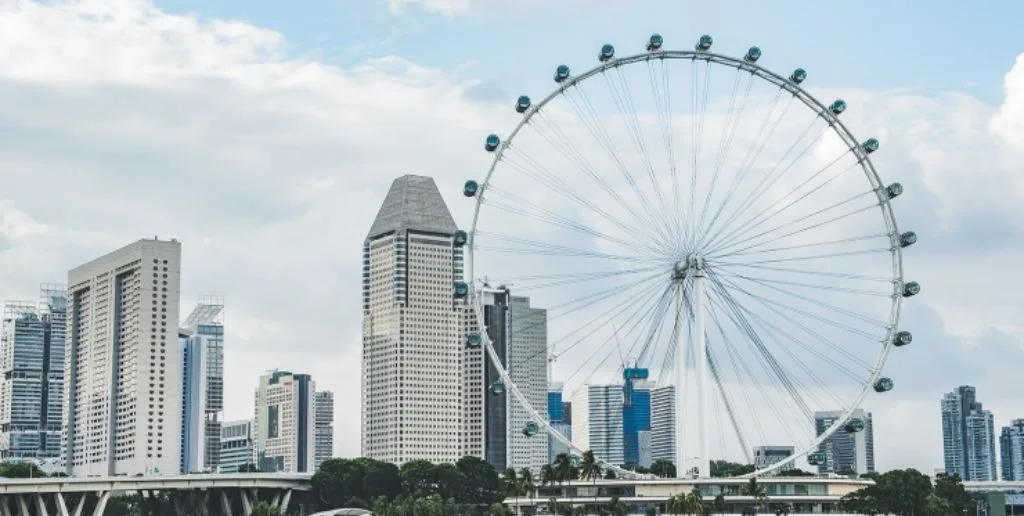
<point>693,265</point>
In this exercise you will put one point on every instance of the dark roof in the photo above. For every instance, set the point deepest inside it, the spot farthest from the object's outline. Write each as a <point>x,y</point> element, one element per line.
<point>413,203</point>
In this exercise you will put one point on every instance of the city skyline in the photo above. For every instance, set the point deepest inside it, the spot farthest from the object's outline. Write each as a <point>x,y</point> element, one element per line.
<point>282,292</point>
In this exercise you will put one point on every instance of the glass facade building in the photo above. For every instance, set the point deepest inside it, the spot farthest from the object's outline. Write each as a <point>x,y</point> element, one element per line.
<point>636,413</point>
<point>32,380</point>
<point>1011,450</point>
<point>846,451</point>
<point>968,436</point>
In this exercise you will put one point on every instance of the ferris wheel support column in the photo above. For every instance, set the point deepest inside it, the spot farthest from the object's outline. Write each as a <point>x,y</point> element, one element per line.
<point>680,370</point>
<point>700,356</point>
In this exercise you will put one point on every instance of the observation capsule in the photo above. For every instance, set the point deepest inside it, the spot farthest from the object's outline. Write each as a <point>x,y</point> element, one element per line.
<point>492,142</point>
<point>460,238</point>
<point>837,107</point>
<point>655,42</point>
<point>908,239</point>
<point>752,55</point>
<point>902,338</point>
<point>575,460</point>
<point>522,104</point>
<point>607,52</point>
<point>461,289</point>
<point>530,429</point>
<point>855,425</point>
<point>815,458</point>
<point>474,340</point>
<point>870,145</point>
<point>704,43</point>
<point>561,73</point>
<point>798,76</point>
<point>883,384</point>
<point>470,188</point>
<point>911,289</point>
<point>894,190</point>
<point>497,387</point>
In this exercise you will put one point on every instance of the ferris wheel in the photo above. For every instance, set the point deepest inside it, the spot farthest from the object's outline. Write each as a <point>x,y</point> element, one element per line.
<point>707,225</point>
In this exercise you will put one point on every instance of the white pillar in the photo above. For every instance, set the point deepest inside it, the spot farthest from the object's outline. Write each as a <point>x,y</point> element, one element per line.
<point>680,370</point>
<point>700,353</point>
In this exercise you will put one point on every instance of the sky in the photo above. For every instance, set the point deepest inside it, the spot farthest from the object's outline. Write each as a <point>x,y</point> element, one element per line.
<point>264,138</point>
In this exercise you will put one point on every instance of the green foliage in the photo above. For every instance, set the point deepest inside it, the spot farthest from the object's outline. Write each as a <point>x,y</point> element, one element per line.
<point>20,470</point>
<point>721,468</point>
<point>420,486</point>
<point>265,509</point>
<point>248,468</point>
<point>908,492</point>
<point>663,468</point>
<point>795,473</point>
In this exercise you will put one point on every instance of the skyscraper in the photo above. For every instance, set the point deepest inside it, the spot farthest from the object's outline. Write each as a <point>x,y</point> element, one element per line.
<point>845,450</point>
<point>413,330</point>
<point>968,436</point>
<point>122,376</point>
<point>527,360</point>
<point>31,376</point>
<point>663,423</point>
<point>560,418</point>
<point>283,439</point>
<point>323,427</point>
<point>636,411</point>
<point>235,446</point>
<point>201,338</point>
<point>486,400</point>
<point>1011,450</point>
<point>597,421</point>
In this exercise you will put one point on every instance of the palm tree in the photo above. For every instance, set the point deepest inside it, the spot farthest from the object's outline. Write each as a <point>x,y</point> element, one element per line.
<point>783,509</point>
<point>589,468</point>
<point>526,482</point>
<point>755,490</point>
<point>719,504</point>
<point>547,475</point>
<point>695,500</point>
<point>563,467</point>
<point>511,485</point>
<point>617,508</point>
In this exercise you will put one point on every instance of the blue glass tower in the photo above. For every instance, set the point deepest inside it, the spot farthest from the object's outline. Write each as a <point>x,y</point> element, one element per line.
<point>636,412</point>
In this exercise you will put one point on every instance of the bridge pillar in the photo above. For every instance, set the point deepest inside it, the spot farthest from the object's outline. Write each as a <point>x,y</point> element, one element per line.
<point>62,506</point>
<point>41,505</point>
<point>225,503</point>
<point>284,500</point>
<point>101,504</point>
<point>23,505</point>
<point>80,504</point>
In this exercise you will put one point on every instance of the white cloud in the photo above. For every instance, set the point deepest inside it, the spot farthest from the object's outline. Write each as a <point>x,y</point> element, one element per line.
<point>448,8</point>
<point>122,121</point>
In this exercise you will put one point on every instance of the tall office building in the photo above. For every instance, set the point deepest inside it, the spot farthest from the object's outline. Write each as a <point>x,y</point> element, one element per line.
<point>201,338</point>
<point>968,436</point>
<point>323,427</point>
<point>765,456</point>
<point>597,421</point>
<point>486,401</point>
<point>527,353</point>
<point>235,446</point>
<point>283,438</point>
<point>663,423</point>
<point>636,411</point>
<point>844,450</point>
<point>414,330</point>
<point>31,376</point>
<point>122,375</point>
<point>1011,450</point>
<point>560,418</point>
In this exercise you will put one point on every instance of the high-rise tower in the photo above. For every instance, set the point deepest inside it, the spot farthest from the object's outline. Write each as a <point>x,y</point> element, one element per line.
<point>844,450</point>
<point>283,438</point>
<point>31,376</point>
<point>122,376</point>
<point>323,427</point>
<point>201,337</point>
<point>968,436</point>
<point>413,329</point>
<point>1011,450</point>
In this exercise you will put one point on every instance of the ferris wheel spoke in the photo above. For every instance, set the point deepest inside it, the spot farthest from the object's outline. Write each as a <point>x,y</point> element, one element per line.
<point>591,119</point>
<point>538,248</point>
<point>811,302</point>
<point>623,97</point>
<point>820,274</point>
<point>700,106</point>
<point>788,337</point>
<point>775,210</point>
<point>567,279</point>
<point>765,134</point>
<point>734,117</point>
<point>644,310</point>
<point>519,206</point>
<point>542,175</point>
<point>558,140</point>
<point>751,250</point>
<point>768,181</point>
<point>663,103</point>
<point>746,378</point>
<point>728,406</point>
<point>646,288</point>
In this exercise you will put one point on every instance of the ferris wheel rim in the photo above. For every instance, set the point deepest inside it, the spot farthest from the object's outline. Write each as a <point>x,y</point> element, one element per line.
<point>811,102</point>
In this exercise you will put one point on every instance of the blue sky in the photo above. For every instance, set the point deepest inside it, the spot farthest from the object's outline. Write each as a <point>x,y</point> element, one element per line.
<point>878,44</point>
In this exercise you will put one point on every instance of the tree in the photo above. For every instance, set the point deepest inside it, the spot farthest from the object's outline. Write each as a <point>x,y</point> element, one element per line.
<point>589,468</point>
<point>753,489</point>
<point>783,509</point>
<point>563,468</point>
<point>21,470</point>
<point>248,468</point>
<point>610,475</point>
<point>663,468</point>
<point>498,509</point>
<point>903,492</point>
<point>719,504</point>
<point>721,468</point>
<point>526,482</point>
<point>795,472</point>
<point>511,485</point>
<point>949,489</point>
<point>482,485</point>
<point>265,509</point>
<point>617,508</point>
<point>547,475</point>
<point>337,481</point>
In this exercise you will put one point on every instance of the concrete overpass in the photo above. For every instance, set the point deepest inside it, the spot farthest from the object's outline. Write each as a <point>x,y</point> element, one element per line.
<point>192,495</point>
